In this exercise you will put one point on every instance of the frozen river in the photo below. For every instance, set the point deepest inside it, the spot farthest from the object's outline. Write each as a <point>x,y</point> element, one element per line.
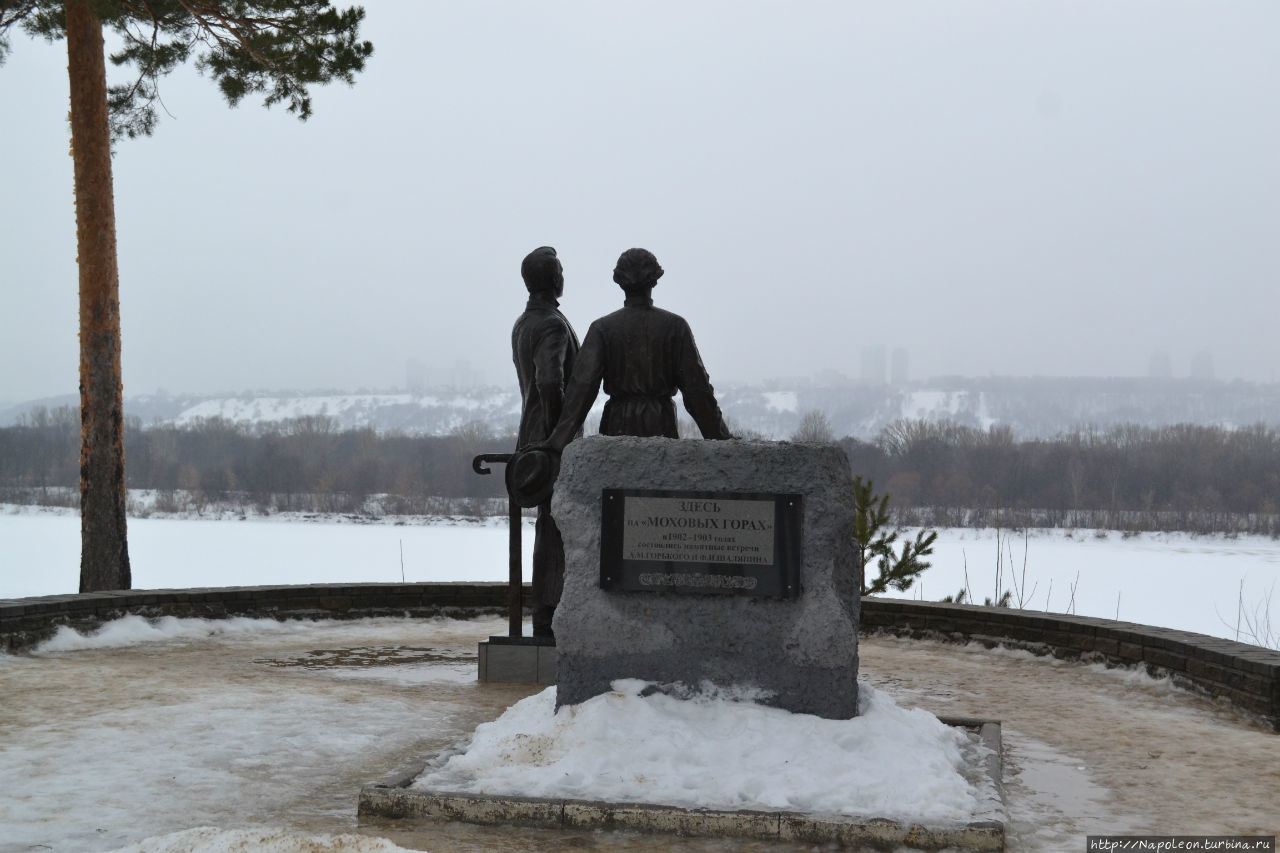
<point>1194,583</point>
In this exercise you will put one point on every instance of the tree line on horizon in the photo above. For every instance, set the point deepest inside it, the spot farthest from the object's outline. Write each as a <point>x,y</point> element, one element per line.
<point>1202,479</point>
<point>1185,477</point>
<point>305,464</point>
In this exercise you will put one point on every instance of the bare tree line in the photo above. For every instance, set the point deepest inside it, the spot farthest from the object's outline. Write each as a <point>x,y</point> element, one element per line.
<point>306,464</point>
<point>1203,479</point>
<point>1128,478</point>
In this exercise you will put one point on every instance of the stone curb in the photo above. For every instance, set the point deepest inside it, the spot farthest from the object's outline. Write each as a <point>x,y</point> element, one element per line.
<point>878,833</point>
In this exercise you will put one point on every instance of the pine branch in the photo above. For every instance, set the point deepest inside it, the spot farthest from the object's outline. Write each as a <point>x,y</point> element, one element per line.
<point>277,47</point>
<point>202,12</point>
<point>12,12</point>
<point>897,570</point>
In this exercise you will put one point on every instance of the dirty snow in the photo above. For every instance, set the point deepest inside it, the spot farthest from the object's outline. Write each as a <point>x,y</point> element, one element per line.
<point>719,752</point>
<point>197,738</point>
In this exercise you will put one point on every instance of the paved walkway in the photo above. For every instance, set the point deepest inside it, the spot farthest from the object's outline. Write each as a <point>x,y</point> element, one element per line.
<point>1095,751</point>
<point>278,728</point>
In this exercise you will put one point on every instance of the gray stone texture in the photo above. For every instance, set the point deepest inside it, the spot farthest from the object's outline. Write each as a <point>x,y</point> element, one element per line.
<point>802,652</point>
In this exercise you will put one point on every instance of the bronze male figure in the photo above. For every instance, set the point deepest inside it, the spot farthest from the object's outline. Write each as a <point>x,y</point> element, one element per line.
<point>544,348</point>
<point>643,355</point>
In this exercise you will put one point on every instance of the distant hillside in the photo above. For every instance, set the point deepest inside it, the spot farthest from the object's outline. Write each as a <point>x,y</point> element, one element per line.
<point>1031,407</point>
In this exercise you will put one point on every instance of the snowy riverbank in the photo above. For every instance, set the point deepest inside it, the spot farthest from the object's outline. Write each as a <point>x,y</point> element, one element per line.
<point>1174,580</point>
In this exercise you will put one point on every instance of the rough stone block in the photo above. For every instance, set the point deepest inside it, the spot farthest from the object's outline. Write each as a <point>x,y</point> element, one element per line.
<point>547,663</point>
<point>802,652</point>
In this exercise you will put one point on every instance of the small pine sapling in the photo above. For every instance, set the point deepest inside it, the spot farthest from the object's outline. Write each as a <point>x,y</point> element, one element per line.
<point>875,541</point>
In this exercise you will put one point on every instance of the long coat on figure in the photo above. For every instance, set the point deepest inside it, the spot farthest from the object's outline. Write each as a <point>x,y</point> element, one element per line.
<point>544,348</point>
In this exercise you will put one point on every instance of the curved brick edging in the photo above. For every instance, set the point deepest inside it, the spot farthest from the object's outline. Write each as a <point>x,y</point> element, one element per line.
<point>25,622</point>
<point>1248,676</point>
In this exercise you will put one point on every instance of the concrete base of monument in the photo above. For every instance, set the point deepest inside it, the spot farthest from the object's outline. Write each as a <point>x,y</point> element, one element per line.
<point>517,660</point>
<point>394,799</point>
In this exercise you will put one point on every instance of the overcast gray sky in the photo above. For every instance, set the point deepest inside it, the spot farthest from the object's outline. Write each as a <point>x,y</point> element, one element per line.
<point>1018,188</point>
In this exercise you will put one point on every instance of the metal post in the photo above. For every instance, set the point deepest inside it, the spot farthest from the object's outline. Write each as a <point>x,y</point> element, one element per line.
<point>515,588</point>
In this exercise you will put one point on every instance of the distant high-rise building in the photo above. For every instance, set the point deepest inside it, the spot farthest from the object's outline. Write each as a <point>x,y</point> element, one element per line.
<point>1160,367</point>
<point>1202,365</point>
<point>898,366</point>
<point>873,366</point>
<point>415,376</point>
<point>464,375</point>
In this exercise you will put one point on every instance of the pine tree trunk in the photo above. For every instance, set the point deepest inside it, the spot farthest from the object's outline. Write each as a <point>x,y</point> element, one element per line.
<point>104,553</point>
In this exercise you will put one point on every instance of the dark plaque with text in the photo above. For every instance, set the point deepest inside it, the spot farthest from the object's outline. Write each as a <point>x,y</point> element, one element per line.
<point>701,542</point>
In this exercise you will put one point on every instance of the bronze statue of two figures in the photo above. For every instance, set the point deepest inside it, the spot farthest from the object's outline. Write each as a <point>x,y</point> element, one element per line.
<point>641,353</point>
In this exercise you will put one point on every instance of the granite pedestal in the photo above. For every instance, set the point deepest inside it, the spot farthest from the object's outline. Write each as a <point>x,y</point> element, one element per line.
<point>798,652</point>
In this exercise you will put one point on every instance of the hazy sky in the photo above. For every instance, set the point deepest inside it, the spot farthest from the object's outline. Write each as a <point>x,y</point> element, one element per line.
<point>1023,187</point>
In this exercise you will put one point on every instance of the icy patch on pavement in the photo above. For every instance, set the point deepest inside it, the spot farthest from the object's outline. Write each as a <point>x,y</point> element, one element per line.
<point>1052,793</point>
<point>111,745</point>
<point>713,752</point>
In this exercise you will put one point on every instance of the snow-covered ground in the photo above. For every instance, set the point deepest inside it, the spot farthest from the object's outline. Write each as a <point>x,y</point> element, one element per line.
<point>230,724</point>
<point>253,735</point>
<point>247,734</point>
<point>724,752</point>
<point>1206,584</point>
<point>1194,583</point>
<point>39,551</point>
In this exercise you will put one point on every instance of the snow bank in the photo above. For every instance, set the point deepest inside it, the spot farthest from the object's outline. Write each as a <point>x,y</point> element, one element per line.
<point>137,630</point>
<point>718,752</point>
<point>128,631</point>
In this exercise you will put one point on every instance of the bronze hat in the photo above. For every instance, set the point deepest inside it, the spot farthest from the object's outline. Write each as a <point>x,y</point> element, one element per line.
<point>531,475</point>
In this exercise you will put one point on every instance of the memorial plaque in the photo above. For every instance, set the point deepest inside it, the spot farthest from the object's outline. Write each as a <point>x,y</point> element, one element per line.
<point>701,542</point>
